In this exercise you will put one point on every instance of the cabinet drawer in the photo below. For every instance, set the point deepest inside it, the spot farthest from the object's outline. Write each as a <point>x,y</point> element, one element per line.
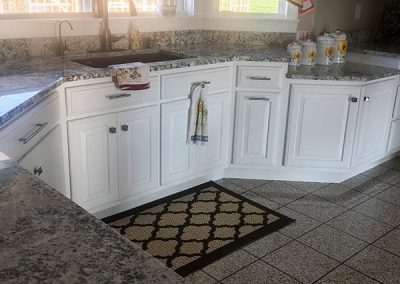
<point>259,77</point>
<point>22,135</point>
<point>91,98</point>
<point>178,85</point>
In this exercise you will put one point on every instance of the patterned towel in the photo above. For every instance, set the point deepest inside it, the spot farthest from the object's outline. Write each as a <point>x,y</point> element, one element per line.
<point>132,76</point>
<point>198,119</point>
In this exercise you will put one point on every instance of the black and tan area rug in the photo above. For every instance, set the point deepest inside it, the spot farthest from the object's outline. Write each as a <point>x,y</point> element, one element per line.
<point>190,229</point>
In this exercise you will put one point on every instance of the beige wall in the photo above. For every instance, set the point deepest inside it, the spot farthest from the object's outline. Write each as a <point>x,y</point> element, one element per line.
<point>333,14</point>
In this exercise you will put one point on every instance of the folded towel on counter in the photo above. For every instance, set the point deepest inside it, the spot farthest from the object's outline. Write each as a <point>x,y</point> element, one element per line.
<point>132,76</point>
<point>198,117</point>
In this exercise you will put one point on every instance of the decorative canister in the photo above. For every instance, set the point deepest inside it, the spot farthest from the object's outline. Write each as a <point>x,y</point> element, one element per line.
<point>340,46</point>
<point>309,52</point>
<point>294,51</point>
<point>325,50</point>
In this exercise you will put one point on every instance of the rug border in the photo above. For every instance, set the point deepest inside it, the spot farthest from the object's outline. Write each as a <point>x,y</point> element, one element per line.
<point>220,252</point>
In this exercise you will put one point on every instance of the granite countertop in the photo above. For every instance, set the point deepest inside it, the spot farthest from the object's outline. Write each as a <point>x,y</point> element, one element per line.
<point>26,82</point>
<point>46,238</point>
<point>349,71</point>
<point>388,48</point>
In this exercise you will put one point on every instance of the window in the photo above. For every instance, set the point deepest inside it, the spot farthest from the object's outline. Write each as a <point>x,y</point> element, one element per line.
<point>257,7</point>
<point>72,6</point>
<point>44,6</point>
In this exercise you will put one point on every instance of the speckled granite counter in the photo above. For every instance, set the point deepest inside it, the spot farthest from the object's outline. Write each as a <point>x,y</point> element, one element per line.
<point>46,238</point>
<point>24,83</point>
<point>347,72</point>
<point>390,48</point>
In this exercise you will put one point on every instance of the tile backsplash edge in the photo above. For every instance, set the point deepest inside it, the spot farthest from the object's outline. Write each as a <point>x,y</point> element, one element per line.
<point>33,47</point>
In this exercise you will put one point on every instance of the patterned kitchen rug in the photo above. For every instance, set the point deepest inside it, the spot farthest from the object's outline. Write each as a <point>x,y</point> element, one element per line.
<point>189,230</point>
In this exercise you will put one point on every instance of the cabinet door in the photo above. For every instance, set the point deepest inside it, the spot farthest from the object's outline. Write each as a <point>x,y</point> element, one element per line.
<point>256,120</point>
<point>93,160</point>
<point>45,160</point>
<point>138,151</point>
<point>321,128</point>
<point>177,157</point>
<point>214,153</point>
<point>374,121</point>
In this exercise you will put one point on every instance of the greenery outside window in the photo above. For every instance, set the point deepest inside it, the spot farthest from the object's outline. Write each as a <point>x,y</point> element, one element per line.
<point>253,8</point>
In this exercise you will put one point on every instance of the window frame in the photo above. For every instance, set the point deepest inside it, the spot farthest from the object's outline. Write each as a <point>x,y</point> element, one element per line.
<point>283,12</point>
<point>184,8</point>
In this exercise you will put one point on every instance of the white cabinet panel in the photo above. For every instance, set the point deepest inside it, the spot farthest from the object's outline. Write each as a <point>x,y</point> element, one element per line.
<point>374,121</point>
<point>214,153</point>
<point>260,77</point>
<point>321,126</point>
<point>138,151</point>
<point>394,139</point>
<point>93,154</point>
<point>106,96</point>
<point>23,134</point>
<point>45,160</point>
<point>180,160</point>
<point>256,121</point>
<point>396,111</point>
<point>177,158</point>
<point>179,84</point>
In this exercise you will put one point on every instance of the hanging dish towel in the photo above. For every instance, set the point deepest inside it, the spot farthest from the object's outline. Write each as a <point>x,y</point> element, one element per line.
<point>132,76</point>
<point>198,117</point>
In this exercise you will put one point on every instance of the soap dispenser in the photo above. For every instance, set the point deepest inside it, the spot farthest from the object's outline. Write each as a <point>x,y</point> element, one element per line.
<point>135,41</point>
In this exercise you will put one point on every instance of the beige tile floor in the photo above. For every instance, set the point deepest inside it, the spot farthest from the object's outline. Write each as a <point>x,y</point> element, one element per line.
<point>344,233</point>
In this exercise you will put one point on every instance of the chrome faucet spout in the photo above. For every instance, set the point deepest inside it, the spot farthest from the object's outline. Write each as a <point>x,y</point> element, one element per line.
<point>62,46</point>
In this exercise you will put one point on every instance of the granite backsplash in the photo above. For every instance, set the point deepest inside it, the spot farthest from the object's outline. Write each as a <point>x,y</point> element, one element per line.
<point>32,47</point>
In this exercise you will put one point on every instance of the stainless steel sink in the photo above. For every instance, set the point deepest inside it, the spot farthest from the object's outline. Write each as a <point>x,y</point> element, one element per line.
<point>148,57</point>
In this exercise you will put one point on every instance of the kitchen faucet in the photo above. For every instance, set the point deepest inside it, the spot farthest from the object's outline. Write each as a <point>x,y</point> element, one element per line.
<point>106,38</point>
<point>62,46</point>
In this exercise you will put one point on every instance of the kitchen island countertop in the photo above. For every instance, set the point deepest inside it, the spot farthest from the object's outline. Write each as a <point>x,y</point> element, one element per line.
<point>46,238</point>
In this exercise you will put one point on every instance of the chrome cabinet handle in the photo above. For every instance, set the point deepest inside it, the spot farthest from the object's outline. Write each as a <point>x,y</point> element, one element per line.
<point>354,99</point>
<point>257,78</point>
<point>258,99</point>
<point>39,127</point>
<point>118,96</point>
<point>124,127</point>
<point>112,130</point>
<point>38,171</point>
<point>366,99</point>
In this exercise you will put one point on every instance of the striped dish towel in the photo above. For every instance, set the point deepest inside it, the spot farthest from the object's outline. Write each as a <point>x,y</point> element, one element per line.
<point>198,117</point>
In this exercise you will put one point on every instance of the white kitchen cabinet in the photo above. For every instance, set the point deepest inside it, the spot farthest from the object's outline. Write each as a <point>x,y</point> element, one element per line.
<point>214,153</point>
<point>180,160</point>
<point>374,121</point>
<point>256,120</point>
<point>45,160</point>
<point>93,160</point>
<point>321,126</point>
<point>177,158</point>
<point>138,151</point>
<point>394,138</point>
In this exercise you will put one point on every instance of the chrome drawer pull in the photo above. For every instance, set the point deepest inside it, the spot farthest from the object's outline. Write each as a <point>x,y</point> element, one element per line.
<point>259,78</point>
<point>118,96</point>
<point>258,99</point>
<point>39,128</point>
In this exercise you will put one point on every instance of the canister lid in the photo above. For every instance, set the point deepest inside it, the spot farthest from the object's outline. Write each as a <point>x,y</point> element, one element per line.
<point>326,39</point>
<point>293,45</point>
<point>309,43</point>
<point>338,35</point>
